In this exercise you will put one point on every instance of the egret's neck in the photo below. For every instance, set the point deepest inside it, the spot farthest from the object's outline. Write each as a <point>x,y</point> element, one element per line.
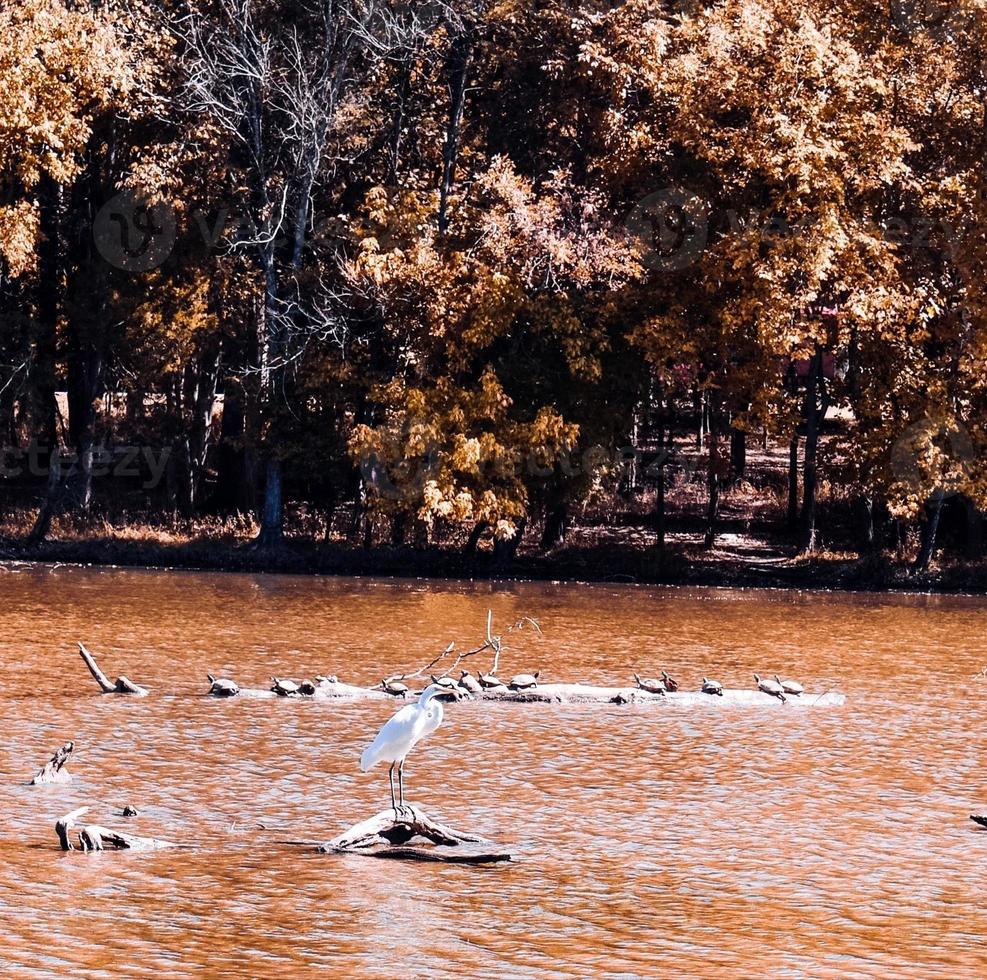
<point>427,703</point>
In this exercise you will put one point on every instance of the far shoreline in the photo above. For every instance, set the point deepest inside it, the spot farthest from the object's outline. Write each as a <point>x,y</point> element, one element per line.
<point>609,566</point>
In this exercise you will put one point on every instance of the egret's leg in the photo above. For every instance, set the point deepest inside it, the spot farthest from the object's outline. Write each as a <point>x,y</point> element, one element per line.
<point>401,782</point>
<point>390,776</point>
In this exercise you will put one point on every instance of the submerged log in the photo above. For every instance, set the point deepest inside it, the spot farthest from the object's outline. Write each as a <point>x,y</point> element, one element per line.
<point>979,818</point>
<point>326,688</point>
<point>591,694</point>
<point>93,837</point>
<point>389,834</point>
<point>54,770</point>
<point>579,694</point>
<point>122,685</point>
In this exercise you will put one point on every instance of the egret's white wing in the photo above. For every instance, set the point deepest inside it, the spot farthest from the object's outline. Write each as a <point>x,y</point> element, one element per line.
<point>396,739</point>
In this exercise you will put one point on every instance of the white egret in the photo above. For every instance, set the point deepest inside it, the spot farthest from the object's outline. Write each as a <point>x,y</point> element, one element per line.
<point>404,730</point>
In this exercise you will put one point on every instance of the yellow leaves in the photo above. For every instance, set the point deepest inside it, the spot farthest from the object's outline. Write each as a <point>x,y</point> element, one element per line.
<point>19,225</point>
<point>60,65</point>
<point>455,453</point>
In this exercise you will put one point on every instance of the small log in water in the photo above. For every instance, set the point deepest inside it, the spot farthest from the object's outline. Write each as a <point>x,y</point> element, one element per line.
<point>979,818</point>
<point>92,837</point>
<point>389,834</point>
<point>54,770</point>
<point>123,685</point>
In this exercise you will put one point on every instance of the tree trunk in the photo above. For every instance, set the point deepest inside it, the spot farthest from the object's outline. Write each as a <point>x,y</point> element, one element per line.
<point>713,481</point>
<point>807,538</point>
<point>699,402</point>
<point>236,488</point>
<point>974,546</point>
<point>868,524</point>
<point>41,392</point>
<point>399,525</point>
<point>200,381</point>
<point>556,525</point>
<point>272,373</point>
<point>929,532</point>
<point>459,63</point>
<point>738,454</point>
<point>506,550</point>
<point>660,490</point>
<point>474,539</point>
<point>52,503</point>
<point>793,482</point>
<point>272,516</point>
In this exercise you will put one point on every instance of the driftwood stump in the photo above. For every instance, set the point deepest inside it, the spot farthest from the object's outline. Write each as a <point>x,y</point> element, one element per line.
<point>122,685</point>
<point>54,770</point>
<point>92,837</point>
<point>389,833</point>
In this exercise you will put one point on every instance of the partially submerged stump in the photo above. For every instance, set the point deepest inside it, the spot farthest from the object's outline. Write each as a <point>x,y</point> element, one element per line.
<point>389,833</point>
<point>54,770</point>
<point>122,685</point>
<point>92,837</point>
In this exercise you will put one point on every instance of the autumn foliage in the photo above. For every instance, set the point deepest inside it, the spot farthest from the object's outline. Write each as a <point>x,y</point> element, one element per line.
<point>435,263</point>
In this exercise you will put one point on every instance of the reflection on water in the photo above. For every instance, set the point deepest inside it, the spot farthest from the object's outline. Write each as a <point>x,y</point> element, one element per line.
<point>653,840</point>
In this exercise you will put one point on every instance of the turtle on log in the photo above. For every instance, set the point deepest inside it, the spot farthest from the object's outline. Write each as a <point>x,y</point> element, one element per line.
<point>650,684</point>
<point>445,682</point>
<point>790,687</point>
<point>223,688</point>
<point>394,687</point>
<point>712,687</point>
<point>285,688</point>
<point>524,682</point>
<point>770,687</point>
<point>469,683</point>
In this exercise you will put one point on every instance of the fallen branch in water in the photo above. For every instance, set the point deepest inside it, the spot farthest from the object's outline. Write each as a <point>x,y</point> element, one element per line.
<point>54,770</point>
<point>123,685</point>
<point>389,833</point>
<point>93,837</point>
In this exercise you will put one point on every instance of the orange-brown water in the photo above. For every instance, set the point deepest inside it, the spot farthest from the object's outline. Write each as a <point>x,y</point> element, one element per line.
<point>661,840</point>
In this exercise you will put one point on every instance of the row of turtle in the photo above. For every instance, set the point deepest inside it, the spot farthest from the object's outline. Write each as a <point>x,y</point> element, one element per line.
<point>664,684</point>
<point>221,687</point>
<point>467,682</point>
<point>481,682</point>
<point>395,686</point>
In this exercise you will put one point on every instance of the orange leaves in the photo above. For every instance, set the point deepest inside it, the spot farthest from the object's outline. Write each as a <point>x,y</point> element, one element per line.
<point>19,225</point>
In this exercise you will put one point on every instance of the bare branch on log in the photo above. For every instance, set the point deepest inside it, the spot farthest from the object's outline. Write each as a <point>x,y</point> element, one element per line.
<point>64,824</point>
<point>388,835</point>
<point>492,642</point>
<point>54,771</point>
<point>123,685</point>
